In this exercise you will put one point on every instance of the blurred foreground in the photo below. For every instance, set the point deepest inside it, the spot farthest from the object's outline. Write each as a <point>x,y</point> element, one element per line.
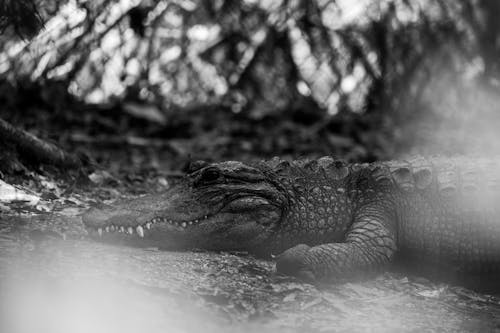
<point>54,285</point>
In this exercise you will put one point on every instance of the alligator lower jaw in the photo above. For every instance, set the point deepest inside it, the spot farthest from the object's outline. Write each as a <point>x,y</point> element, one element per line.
<point>143,229</point>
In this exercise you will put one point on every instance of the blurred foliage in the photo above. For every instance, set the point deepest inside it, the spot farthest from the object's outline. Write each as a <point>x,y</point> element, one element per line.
<point>364,80</point>
<point>22,17</point>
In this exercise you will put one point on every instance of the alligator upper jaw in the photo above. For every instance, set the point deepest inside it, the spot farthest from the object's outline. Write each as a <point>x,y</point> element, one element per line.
<point>145,215</point>
<point>142,230</point>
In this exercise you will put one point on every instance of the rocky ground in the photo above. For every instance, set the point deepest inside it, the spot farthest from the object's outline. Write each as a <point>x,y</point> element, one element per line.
<point>54,278</point>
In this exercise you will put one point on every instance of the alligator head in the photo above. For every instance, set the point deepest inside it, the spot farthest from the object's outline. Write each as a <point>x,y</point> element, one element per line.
<point>220,206</point>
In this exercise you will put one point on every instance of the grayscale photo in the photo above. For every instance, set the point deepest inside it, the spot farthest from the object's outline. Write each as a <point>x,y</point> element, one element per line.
<point>249,166</point>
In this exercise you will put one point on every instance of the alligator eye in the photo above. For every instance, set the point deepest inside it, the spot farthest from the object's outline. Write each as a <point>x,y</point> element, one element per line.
<point>209,175</point>
<point>195,166</point>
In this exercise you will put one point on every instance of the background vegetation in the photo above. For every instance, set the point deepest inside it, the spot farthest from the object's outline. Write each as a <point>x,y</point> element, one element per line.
<point>158,82</point>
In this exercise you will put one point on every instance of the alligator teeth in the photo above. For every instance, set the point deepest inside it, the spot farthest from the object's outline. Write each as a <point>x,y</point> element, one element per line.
<point>149,224</point>
<point>122,229</point>
<point>106,229</point>
<point>112,228</point>
<point>130,230</point>
<point>140,231</point>
<point>99,231</point>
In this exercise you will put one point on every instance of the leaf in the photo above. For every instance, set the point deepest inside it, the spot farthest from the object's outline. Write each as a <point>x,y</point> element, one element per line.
<point>100,176</point>
<point>431,293</point>
<point>9,194</point>
<point>148,112</point>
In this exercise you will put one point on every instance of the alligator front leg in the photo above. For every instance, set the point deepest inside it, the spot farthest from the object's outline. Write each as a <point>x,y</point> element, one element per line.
<point>368,247</point>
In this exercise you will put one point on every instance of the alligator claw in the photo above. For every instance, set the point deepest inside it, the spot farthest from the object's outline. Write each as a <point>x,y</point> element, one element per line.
<point>294,262</point>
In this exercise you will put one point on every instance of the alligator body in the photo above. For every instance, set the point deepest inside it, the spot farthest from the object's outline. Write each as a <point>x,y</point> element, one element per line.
<point>328,219</point>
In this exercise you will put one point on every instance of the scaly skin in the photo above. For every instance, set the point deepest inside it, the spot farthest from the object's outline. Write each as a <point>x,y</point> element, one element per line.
<point>329,220</point>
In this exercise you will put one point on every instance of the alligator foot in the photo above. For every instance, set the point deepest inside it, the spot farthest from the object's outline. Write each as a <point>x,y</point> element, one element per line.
<point>294,262</point>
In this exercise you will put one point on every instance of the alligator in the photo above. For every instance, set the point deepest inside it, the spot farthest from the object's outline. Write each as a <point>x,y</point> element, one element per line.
<point>325,219</point>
